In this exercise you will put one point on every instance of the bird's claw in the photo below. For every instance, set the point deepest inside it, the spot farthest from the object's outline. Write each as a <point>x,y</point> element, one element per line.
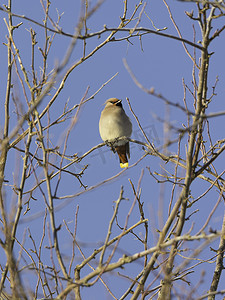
<point>111,145</point>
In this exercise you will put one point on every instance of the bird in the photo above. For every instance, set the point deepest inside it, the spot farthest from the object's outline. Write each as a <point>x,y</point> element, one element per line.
<point>113,124</point>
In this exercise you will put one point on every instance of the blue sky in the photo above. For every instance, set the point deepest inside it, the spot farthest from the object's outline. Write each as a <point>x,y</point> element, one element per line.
<point>161,64</point>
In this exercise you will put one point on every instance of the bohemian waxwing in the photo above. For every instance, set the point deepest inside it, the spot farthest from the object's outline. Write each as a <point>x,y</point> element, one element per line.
<point>113,124</point>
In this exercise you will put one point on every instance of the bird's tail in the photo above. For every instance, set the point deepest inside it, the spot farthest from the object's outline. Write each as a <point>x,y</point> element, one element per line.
<point>123,151</point>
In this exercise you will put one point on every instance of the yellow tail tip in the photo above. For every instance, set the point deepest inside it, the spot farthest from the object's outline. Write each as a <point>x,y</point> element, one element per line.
<point>124,165</point>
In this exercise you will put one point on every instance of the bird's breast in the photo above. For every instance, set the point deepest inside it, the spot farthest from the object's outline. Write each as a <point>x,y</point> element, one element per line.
<point>111,128</point>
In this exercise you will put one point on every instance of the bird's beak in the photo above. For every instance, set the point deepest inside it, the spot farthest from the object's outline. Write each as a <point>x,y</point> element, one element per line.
<point>118,102</point>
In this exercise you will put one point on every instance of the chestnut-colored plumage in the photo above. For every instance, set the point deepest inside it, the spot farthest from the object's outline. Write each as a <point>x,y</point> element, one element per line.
<point>113,124</point>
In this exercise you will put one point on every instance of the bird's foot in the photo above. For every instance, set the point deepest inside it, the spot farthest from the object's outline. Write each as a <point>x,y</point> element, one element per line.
<point>110,144</point>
